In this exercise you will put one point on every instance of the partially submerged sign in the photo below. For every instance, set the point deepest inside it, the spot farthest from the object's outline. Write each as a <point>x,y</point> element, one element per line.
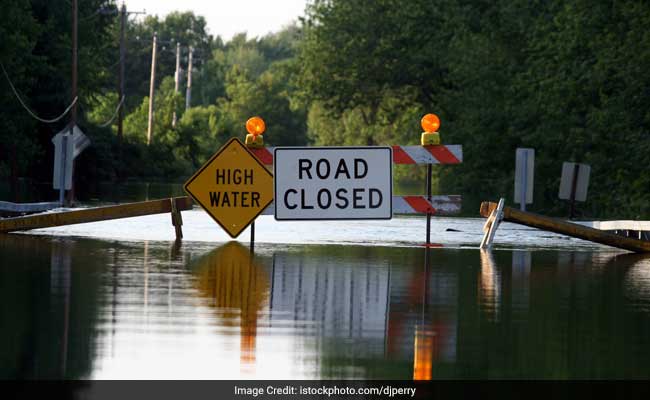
<point>333,183</point>
<point>233,187</point>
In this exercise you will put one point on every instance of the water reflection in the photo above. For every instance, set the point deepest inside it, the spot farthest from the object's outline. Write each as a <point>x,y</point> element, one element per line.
<point>424,353</point>
<point>490,285</point>
<point>49,308</point>
<point>238,288</point>
<point>94,309</point>
<point>60,287</point>
<point>637,283</point>
<point>521,266</point>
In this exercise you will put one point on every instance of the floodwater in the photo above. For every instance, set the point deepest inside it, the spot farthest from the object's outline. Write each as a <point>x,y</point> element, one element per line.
<point>121,300</point>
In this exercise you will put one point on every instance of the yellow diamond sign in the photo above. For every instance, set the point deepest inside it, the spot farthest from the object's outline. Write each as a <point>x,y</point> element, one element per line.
<point>233,187</point>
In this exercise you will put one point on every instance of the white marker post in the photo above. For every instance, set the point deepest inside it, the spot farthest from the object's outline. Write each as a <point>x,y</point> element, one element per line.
<point>63,156</point>
<point>524,177</point>
<point>491,225</point>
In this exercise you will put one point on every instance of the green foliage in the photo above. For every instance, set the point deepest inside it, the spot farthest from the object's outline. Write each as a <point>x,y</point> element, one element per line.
<point>36,52</point>
<point>566,78</point>
<point>562,77</point>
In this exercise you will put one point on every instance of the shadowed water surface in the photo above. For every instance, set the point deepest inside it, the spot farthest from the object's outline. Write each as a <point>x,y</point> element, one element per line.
<point>87,308</point>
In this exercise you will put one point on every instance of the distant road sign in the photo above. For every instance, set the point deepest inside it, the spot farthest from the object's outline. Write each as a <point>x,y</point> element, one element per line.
<point>66,148</point>
<point>569,179</point>
<point>524,176</point>
<point>79,140</point>
<point>63,157</point>
<point>333,183</point>
<point>233,187</point>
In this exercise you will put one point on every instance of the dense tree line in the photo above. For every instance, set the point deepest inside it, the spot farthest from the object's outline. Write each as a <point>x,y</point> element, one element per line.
<point>568,79</point>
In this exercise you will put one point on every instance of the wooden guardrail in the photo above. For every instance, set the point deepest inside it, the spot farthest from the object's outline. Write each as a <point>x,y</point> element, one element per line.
<point>566,228</point>
<point>48,220</point>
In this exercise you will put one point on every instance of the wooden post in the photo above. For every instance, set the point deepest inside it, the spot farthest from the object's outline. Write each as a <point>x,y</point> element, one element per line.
<point>73,111</point>
<point>177,219</point>
<point>120,86</point>
<point>152,88</point>
<point>567,228</point>
<point>177,78</point>
<point>188,92</point>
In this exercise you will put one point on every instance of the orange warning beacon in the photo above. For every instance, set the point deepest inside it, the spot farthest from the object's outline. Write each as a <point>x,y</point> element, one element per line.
<point>430,123</point>
<point>255,127</point>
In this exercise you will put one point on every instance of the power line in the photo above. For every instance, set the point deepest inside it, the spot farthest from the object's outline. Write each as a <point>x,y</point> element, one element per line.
<point>86,18</point>
<point>110,121</point>
<point>115,63</point>
<point>36,117</point>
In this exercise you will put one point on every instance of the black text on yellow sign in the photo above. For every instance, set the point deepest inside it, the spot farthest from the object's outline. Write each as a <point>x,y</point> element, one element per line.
<point>233,186</point>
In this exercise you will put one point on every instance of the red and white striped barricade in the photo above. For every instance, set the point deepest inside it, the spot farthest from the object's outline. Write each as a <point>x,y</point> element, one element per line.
<point>415,155</point>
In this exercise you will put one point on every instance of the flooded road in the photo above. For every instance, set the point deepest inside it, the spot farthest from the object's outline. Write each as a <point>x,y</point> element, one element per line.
<point>85,307</point>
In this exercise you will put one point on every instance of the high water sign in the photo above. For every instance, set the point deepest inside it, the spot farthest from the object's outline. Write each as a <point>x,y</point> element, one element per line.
<point>333,183</point>
<point>233,187</point>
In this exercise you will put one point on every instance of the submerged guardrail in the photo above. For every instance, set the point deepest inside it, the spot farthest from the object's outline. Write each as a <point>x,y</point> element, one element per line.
<point>491,210</point>
<point>49,220</point>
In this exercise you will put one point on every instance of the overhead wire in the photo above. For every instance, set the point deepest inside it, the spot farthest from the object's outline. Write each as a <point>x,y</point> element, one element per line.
<point>33,115</point>
<point>110,121</point>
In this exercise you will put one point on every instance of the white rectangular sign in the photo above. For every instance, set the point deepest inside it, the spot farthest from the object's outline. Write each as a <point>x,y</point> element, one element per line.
<point>524,175</point>
<point>333,183</point>
<point>582,181</point>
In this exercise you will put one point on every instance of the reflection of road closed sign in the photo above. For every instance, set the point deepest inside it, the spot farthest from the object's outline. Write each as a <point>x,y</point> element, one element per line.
<point>330,183</point>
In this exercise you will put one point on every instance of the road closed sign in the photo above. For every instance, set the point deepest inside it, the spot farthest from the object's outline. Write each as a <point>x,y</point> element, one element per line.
<point>333,183</point>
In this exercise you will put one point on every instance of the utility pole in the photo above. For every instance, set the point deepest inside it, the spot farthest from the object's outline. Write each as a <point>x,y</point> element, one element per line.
<point>152,88</point>
<point>177,77</point>
<point>121,80</point>
<point>188,93</point>
<point>73,111</point>
<point>73,114</point>
<point>120,91</point>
